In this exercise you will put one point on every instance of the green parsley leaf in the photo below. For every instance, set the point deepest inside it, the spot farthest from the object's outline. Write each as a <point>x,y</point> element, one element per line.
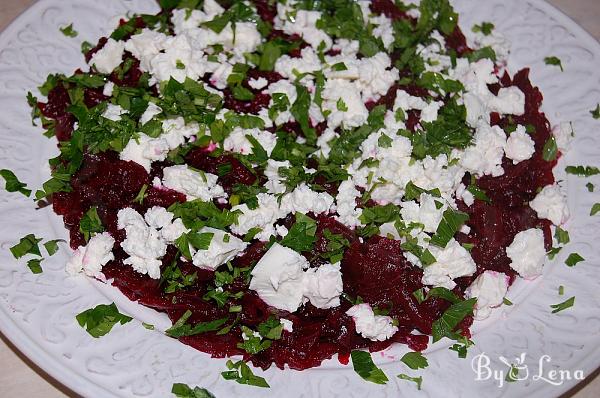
<point>364,366</point>
<point>271,328</point>
<point>147,326</point>
<point>13,184</point>
<point>590,187</point>
<point>413,192</point>
<point>445,325</point>
<point>181,328</point>
<point>512,374</point>
<point>478,193</point>
<point>596,112</point>
<point>574,259</point>
<point>419,294</point>
<point>200,241</point>
<point>563,306</point>
<point>35,265</point>
<point>242,374</point>
<point>69,31</point>
<point>340,66</point>
<point>100,320</point>
<point>251,343</point>
<point>482,53</point>
<point>184,391</point>
<point>442,292</point>
<point>450,224</point>
<point>341,105</point>
<point>52,246</point>
<point>27,245</point>
<point>300,109</point>
<point>550,150</point>
<point>554,61</point>
<point>141,195</point>
<point>90,224</point>
<point>595,209</point>
<point>384,141</point>
<point>415,360</point>
<point>242,93</point>
<point>506,301</point>
<point>561,290</point>
<point>553,252</point>
<point>417,380</point>
<point>562,236</point>
<point>485,28</point>
<point>301,236</point>
<point>196,214</point>
<point>582,171</point>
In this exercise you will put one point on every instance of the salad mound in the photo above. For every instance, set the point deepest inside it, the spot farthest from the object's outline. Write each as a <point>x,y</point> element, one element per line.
<point>290,180</point>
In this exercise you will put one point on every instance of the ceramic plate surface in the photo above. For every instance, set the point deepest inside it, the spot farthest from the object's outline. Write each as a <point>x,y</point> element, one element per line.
<point>37,312</point>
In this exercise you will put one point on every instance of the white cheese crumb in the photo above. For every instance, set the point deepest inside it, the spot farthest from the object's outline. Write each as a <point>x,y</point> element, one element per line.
<point>223,248</point>
<point>451,262</point>
<point>258,84</point>
<point>551,204</point>
<point>527,253</point>
<point>108,57</point>
<point>278,278</point>
<point>194,184</point>
<point>113,112</point>
<point>371,326</point>
<point>90,258</point>
<point>288,325</point>
<point>323,285</point>
<point>490,289</point>
<point>519,145</point>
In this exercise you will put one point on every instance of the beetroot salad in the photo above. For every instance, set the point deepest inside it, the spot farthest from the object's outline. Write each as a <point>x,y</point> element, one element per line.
<point>291,181</point>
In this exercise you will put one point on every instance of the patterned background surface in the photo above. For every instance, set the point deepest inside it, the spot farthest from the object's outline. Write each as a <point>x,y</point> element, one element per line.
<point>37,311</point>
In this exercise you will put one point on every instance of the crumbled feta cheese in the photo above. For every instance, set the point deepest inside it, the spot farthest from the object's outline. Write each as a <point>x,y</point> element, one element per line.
<point>490,288</point>
<point>223,248</point>
<point>113,112</point>
<point>194,184</point>
<point>90,258</point>
<point>238,143</point>
<point>303,24</point>
<point>145,150</point>
<point>278,278</point>
<point>108,89</point>
<point>426,212</point>
<point>519,145</point>
<point>323,285</point>
<point>551,204</point>
<point>463,194</point>
<point>259,83</point>
<point>356,113</point>
<point>305,200</point>
<point>371,326</point>
<point>263,217</point>
<point>307,62</point>
<point>288,325</point>
<point>323,142</point>
<point>510,101</point>
<point>389,230</point>
<point>274,182</point>
<point>563,134</point>
<point>348,213</point>
<point>108,57</point>
<point>485,157</point>
<point>451,262</point>
<point>151,111</point>
<point>527,253</point>
<point>145,46</point>
<point>143,243</point>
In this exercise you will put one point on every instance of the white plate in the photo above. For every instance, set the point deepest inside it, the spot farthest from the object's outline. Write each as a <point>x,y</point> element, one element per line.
<point>37,312</point>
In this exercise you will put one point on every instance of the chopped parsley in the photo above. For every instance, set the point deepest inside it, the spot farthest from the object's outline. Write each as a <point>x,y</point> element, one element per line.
<point>590,187</point>
<point>184,391</point>
<point>417,380</point>
<point>506,301</point>
<point>485,27</point>
<point>550,150</point>
<point>595,209</point>
<point>100,320</point>
<point>451,222</point>
<point>29,244</point>
<point>69,31</point>
<point>596,112</point>
<point>445,325</point>
<point>13,184</point>
<point>182,328</point>
<point>574,259</point>
<point>364,366</point>
<point>241,373</point>
<point>562,236</point>
<point>568,303</point>
<point>415,360</point>
<point>34,265</point>
<point>301,236</point>
<point>512,374</point>
<point>555,61</point>
<point>582,171</point>
<point>90,224</point>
